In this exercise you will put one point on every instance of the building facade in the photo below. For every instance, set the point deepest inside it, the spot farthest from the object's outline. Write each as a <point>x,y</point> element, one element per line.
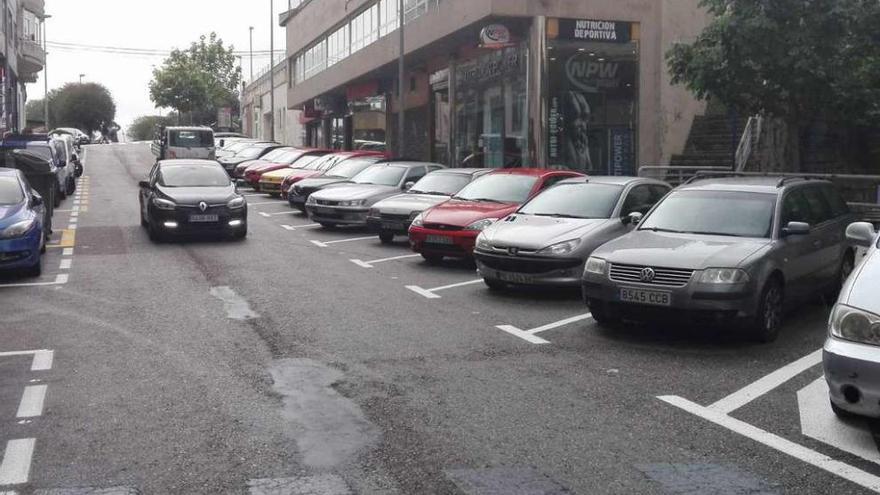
<point>495,82</point>
<point>257,118</point>
<point>22,58</point>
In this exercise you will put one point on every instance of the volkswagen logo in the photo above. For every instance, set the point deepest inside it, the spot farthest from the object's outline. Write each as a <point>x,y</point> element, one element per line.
<point>647,275</point>
<point>203,206</point>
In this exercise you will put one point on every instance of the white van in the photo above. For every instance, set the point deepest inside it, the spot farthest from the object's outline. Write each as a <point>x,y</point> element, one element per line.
<point>185,142</point>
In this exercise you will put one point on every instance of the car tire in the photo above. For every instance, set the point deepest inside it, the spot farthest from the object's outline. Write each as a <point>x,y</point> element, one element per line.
<point>768,318</point>
<point>603,317</point>
<point>43,244</point>
<point>494,285</point>
<point>386,237</point>
<point>328,226</point>
<point>433,259</point>
<point>841,413</point>
<point>154,233</point>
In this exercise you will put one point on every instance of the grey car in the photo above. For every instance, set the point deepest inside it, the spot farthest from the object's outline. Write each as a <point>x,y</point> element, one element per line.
<point>851,356</point>
<point>725,249</point>
<point>348,203</point>
<point>393,216</point>
<point>548,240</point>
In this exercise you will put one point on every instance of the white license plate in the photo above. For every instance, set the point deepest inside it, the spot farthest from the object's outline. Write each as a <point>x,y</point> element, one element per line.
<point>515,278</point>
<point>204,218</point>
<point>648,297</point>
<point>440,239</point>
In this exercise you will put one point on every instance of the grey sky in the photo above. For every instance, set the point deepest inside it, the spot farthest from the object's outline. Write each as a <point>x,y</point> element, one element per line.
<point>154,24</point>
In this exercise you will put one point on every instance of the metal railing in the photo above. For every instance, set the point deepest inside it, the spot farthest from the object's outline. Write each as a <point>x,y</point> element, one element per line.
<point>676,175</point>
<point>750,138</point>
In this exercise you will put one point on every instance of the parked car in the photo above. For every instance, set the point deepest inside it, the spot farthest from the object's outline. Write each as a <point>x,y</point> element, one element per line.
<point>191,197</point>
<point>277,158</point>
<point>80,138</point>
<point>348,203</point>
<point>451,228</point>
<point>851,356</point>
<point>221,139</point>
<point>73,152</point>
<point>283,180</point>
<point>341,172</point>
<point>392,217</point>
<point>66,156</point>
<point>39,144</point>
<point>725,249</point>
<point>548,240</point>
<point>233,146</point>
<point>22,224</point>
<point>267,177</point>
<point>305,166</point>
<point>184,142</point>
<point>253,151</point>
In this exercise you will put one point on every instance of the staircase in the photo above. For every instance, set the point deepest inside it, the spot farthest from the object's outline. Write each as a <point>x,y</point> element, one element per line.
<point>712,142</point>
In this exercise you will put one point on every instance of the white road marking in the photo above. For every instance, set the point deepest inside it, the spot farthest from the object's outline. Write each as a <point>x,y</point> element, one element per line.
<point>355,239</point>
<point>59,280</point>
<point>74,221</point>
<point>66,263</point>
<point>276,214</point>
<point>531,335</point>
<point>267,203</point>
<point>425,292</point>
<point>369,264</point>
<point>422,292</point>
<point>74,214</point>
<point>75,209</point>
<point>43,360</point>
<point>67,252</point>
<point>76,201</point>
<point>60,211</point>
<point>31,405</point>
<point>264,214</point>
<point>528,337</point>
<point>16,466</point>
<point>778,443</point>
<point>289,228</point>
<point>760,387</point>
<point>72,227</point>
<point>818,421</point>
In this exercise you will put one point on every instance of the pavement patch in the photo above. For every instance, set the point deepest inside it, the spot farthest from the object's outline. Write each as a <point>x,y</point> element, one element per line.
<point>693,479</point>
<point>116,490</point>
<point>505,481</point>
<point>236,307</point>
<point>324,484</point>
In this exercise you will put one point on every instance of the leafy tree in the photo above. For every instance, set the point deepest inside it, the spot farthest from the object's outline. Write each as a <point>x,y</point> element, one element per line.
<point>797,60</point>
<point>198,81</point>
<point>84,106</point>
<point>35,110</point>
<point>142,129</point>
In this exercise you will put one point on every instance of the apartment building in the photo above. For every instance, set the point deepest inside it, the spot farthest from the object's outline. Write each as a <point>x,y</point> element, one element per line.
<point>258,115</point>
<point>22,57</point>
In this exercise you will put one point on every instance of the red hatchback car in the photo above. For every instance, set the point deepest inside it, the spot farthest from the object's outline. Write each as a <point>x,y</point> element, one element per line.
<point>451,228</point>
<point>255,171</point>
<point>338,157</point>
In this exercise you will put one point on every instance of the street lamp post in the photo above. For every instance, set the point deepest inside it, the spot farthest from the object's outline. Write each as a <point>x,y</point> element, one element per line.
<point>252,53</point>
<point>45,74</point>
<point>401,66</point>
<point>272,70</point>
<point>81,76</point>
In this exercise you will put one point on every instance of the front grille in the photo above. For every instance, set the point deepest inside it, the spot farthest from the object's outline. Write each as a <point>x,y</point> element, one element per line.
<point>440,226</point>
<point>328,203</point>
<point>528,265</point>
<point>394,218</point>
<point>665,277</point>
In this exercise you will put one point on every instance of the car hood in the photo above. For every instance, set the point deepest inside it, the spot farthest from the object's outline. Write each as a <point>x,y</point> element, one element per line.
<point>686,251</point>
<point>463,213</point>
<point>534,233</point>
<point>234,160</point>
<point>408,203</point>
<point>10,214</point>
<point>264,167</point>
<point>191,196</point>
<point>317,183</point>
<point>349,192</point>
<point>860,290</point>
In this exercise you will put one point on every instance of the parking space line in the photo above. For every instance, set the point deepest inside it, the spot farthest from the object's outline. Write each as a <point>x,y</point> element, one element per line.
<point>268,203</point>
<point>67,252</point>
<point>760,387</point>
<point>293,228</point>
<point>777,443</point>
<point>264,214</point>
<point>528,337</point>
<point>431,293</point>
<point>43,360</point>
<point>65,264</point>
<point>531,335</point>
<point>330,243</point>
<point>16,465</point>
<point>60,279</point>
<point>369,264</point>
<point>31,405</point>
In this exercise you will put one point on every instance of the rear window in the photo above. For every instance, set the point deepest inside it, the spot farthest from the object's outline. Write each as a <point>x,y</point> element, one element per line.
<point>191,139</point>
<point>10,191</point>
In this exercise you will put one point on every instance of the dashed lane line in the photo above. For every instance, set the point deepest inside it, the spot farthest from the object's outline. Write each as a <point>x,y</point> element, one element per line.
<point>31,405</point>
<point>65,264</point>
<point>16,466</point>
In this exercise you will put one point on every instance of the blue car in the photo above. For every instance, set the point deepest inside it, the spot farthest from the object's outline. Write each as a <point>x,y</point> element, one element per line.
<point>22,233</point>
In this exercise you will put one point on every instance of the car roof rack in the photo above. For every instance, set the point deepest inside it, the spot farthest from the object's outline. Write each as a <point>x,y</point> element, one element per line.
<point>784,178</point>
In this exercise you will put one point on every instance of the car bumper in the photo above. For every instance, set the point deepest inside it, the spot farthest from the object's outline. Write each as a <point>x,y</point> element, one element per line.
<point>694,302</point>
<point>555,272</point>
<point>298,202</point>
<point>270,187</point>
<point>395,226</point>
<point>338,215</point>
<point>23,252</point>
<point>455,244</point>
<point>852,371</point>
<point>178,222</point>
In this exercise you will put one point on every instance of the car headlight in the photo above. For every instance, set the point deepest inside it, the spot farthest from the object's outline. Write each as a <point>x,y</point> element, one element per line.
<point>418,221</point>
<point>18,229</point>
<point>561,248</point>
<point>724,276</point>
<point>596,266</point>
<point>360,202</point>
<point>483,243</point>
<point>164,204</point>
<point>312,201</point>
<point>481,225</point>
<point>236,204</point>
<point>414,215</point>
<point>853,324</point>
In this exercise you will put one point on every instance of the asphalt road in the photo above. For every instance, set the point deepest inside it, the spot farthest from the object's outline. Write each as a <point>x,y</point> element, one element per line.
<point>279,365</point>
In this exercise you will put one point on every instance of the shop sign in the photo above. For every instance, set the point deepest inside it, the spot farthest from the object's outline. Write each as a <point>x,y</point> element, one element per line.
<point>589,74</point>
<point>490,67</point>
<point>495,36</point>
<point>622,163</point>
<point>590,30</point>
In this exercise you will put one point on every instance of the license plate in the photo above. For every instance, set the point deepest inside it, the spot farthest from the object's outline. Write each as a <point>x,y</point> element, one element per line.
<point>203,218</point>
<point>392,226</point>
<point>440,239</point>
<point>649,297</point>
<point>515,278</point>
<point>323,211</point>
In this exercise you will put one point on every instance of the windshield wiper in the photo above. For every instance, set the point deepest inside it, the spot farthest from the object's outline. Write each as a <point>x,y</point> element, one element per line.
<point>721,234</point>
<point>435,193</point>
<point>487,200</point>
<point>668,231</point>
<point>559,215</point>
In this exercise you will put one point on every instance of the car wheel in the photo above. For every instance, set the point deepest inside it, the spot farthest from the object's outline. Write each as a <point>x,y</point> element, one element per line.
<point>494,285</point>
<point>328,225</point>
<point>603,317</point>
<point>768,319</point>
<point>386,237</point>
<point>154,233</point>
<point>433,259</point>
<point>43,244</point>
<point>841,413</point>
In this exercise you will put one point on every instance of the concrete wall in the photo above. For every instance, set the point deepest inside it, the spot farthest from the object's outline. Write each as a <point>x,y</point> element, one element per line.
<point>288,129</point>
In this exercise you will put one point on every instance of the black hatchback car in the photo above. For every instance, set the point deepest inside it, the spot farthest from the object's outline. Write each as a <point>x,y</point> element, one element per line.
<point>191,197</point>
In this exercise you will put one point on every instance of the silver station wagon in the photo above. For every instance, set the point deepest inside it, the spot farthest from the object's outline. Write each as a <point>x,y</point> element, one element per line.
<point>726,249</point>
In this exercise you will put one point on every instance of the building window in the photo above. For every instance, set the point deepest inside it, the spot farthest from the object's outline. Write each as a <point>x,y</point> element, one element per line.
<point>364,28</point>
<point>338,46</point>
<point>388,18</point>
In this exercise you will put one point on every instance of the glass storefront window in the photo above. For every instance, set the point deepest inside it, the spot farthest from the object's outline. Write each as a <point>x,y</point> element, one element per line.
<point>593,97</point>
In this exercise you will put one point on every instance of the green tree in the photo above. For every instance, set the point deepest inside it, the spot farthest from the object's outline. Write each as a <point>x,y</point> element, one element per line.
<point>35,110</point>
<point>197,81</point>
<point>797,60</point>
<point>143,128</point>
<point>84,106</point>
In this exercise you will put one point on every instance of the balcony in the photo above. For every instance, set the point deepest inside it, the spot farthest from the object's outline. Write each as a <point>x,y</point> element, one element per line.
<point>35,6</point>
<point>31,60</point>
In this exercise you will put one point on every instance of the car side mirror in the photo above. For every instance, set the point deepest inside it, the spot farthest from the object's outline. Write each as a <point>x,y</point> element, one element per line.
<point>633,218</point>
<point>36,200</point>
<point>408,186</point>
<point>144,184</point>
<point>796,228</point>
<point>861,234</point>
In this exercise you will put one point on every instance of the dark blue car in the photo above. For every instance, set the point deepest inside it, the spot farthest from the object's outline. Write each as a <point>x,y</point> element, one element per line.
<point>22,214</point>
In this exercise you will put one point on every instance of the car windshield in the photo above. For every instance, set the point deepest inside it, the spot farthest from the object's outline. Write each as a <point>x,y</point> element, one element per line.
<point>279,155</point>
<point>10,191</point>
<point>191,139</point>
<point>303,161</point>
<point>193,176</point>
<point>350,168</point>
<point>575,201</point>
<point>441,183</point>
<point>726,213</point>
<point>236,147</point>
<point>251,153</point>
<point>499,188</point>
<point>319,163</point>
<point>381,175</point>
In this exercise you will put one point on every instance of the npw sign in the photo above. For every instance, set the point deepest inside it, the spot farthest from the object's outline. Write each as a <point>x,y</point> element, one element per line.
<point>590,75</point>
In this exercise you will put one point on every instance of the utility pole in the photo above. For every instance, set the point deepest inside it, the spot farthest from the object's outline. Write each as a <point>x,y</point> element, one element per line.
<point>272,69</point>
<point>45,74</point>
<point>401,106</point>
<point>252,54</point>
<point>81,76</point>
